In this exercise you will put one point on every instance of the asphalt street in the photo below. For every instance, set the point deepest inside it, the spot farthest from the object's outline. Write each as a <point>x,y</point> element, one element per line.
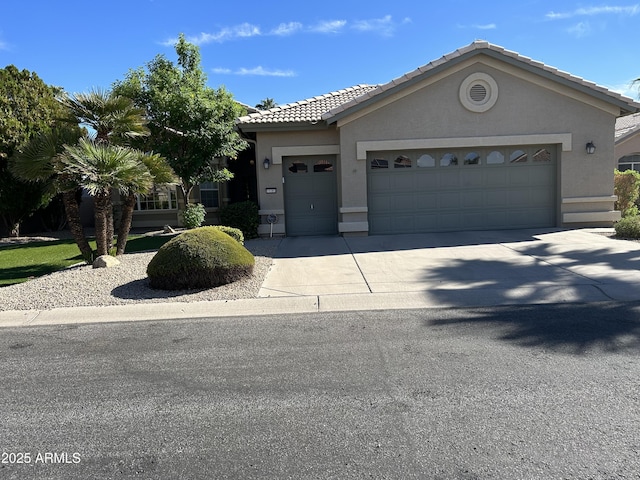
<point>528,392</point>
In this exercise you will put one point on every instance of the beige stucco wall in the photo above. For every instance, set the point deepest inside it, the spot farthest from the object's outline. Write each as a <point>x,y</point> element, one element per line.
<point>628,146</point>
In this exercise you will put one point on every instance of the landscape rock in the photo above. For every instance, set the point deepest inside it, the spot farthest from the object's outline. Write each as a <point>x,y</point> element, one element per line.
<point>105,261</point>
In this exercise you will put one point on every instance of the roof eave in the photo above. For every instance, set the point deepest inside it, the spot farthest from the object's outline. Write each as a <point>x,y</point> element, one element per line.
<point>283,126</point>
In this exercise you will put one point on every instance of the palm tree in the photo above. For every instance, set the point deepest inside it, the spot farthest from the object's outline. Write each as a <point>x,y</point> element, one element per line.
<point>40,161</point>
<point>115,120</point>
<point>113,117</point>
<point>161,173</point>
<point>266,104</point>
<point>100,169</point>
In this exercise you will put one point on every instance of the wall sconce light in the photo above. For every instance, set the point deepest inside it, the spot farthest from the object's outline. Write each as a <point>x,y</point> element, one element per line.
<point>591,148</point>
<point>266,163</point>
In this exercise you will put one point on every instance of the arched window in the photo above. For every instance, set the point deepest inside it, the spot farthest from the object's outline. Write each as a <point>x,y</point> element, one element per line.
<point>629,162</point>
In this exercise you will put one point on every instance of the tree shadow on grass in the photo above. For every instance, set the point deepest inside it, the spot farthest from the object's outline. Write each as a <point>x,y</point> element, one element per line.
<point>574,329</point>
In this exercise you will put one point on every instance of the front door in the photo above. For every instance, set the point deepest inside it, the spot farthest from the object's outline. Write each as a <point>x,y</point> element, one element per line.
<point>310,195</point>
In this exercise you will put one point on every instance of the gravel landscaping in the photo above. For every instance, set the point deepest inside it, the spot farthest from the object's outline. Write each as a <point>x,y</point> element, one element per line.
<point>126,283</point>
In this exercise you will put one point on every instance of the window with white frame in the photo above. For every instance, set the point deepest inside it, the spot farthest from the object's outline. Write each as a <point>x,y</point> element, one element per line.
<point>209,195</point>
<point>162,197</point>
<point>629,162</point>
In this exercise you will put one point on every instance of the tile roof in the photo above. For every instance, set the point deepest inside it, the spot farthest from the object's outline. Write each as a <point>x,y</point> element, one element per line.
<point>309,110</point>
<point>628,125</point>
<point>326,107</point>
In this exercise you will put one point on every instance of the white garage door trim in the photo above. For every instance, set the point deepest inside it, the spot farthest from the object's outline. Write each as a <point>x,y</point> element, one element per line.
<point>564,139</point>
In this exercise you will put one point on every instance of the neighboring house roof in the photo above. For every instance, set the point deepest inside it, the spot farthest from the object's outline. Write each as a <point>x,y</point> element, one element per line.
<point>331,107</point>
<point>627,126</point>
<point>306,111</point>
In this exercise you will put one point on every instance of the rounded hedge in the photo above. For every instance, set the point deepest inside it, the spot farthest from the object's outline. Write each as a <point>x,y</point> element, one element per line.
<point>204,257</point>
<point>628,227</point>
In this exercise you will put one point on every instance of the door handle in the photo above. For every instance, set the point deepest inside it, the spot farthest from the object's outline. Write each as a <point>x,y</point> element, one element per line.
<point>312,206</point>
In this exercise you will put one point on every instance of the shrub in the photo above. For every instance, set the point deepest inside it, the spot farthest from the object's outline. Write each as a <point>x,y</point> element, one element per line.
<point>204,257</point>
<point>232,232</point>
<point>628,227</point>
<point>193,215</point>
<point>626,188</point>
<point>241,215</point>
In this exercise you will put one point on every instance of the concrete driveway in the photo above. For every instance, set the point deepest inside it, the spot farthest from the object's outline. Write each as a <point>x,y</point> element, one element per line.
<point>457,269</point>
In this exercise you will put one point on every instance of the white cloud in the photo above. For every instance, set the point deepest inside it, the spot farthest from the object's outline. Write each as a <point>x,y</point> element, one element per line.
<point>330,26</point>
<point>580,30</point>
<point>590,11</point>
<point>244,30</point>
<point>256,71</point>
<point>487,26</point>
<point>4,45</point>
<point>285,29</point>
<point>384,26</point>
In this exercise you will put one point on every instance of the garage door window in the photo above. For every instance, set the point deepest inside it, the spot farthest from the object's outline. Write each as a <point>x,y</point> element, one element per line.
<point>518,156</point>
<point>495,158</point>
<point>426,161</point>
<point>379,163</point>
<point>543,155</point>
<point>472,159</point>
<point>323,166</point>
<point>448,160</point>
<point>298,167</point>
<point>402,162</point>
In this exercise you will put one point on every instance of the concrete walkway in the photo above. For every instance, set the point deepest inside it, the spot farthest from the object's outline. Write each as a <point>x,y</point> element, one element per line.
<point>461,269</point>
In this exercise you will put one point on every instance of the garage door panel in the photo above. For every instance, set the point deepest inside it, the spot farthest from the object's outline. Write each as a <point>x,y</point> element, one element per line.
<point>471,177</point>
<point>495,177</point>
<point>449,178</point>
<point>463,197</point>
<point>448,200</point>
<point>471,199</point>
<point>495,198</point>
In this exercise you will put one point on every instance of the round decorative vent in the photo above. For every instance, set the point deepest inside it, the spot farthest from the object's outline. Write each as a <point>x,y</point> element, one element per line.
<point>478,92</point>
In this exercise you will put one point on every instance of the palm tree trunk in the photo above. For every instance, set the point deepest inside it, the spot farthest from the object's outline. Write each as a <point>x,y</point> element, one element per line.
<point>109,222</point>
<point>101,206</point>
<point>125,222</point>
<point>72,210</point>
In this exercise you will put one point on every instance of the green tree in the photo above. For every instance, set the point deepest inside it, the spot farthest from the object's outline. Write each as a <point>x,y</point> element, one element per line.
<point>191,124</point>
<point>266,104</point>
<point>28,107</point>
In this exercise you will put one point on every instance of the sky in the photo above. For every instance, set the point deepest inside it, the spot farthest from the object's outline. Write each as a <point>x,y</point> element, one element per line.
<point>294,50</point>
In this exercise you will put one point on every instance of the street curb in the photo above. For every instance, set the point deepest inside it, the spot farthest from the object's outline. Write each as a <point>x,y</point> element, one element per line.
<point>435,298</point>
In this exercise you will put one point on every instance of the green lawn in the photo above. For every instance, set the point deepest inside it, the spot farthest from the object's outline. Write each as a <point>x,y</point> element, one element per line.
<point>19,263</point>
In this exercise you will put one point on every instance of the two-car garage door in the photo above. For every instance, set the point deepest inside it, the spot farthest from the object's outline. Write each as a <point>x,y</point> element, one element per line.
<point>461,189</point>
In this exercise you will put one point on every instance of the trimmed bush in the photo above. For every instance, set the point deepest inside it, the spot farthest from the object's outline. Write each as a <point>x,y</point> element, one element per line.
<point>628,227</point>
<point>232,232</point>
<point>193,215</point>
<point>204,257</point>
<point>626,188</point>
<point>241,215</point>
